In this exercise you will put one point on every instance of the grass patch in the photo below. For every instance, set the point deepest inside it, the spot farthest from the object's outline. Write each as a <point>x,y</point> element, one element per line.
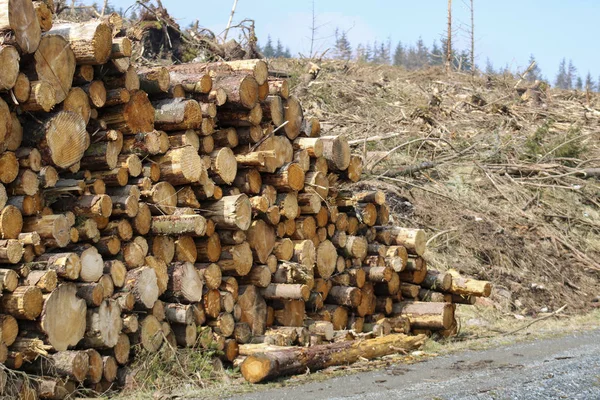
<point>172,371</point>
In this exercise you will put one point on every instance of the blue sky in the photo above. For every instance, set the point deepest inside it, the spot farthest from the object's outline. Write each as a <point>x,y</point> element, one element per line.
<point>506,31</point>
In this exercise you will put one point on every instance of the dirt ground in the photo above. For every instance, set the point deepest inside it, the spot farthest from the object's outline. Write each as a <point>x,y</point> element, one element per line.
<point>495,173</point>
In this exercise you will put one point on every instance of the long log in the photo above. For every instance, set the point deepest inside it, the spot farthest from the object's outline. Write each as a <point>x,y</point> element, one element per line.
<point>261,367</point>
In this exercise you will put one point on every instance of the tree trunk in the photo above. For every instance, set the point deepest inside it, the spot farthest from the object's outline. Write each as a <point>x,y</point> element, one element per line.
<point>269,365</point>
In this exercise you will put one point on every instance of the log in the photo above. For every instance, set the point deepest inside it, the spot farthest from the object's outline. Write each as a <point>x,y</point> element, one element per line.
<point>21,18</point>
<point>253,308</point>
<point>223,167</point>
<point>146,143</point>
<point>92,293</point>
<point>133,117</point>
<point>344,296</point>
<point>90,41</point>
<point>181,166</point>
<point>304,252</point>
<point>278,291</point>
<point>177,114</point>
<point>326,258</point>
<point>63,317</point>
<point>261,238</point>
<point>231,212</point>
<point>8,162</point>
<point>336,151</point>
<point>289,312</point>
<point>21,90</point>
<point>45,280</point>
<point>469,287</point>
<point>413,240</point>
<point>438,281</point>
<point>54,62</point>
<point>161,199</point>
<point>25,302</point>
<point>149,334</point>
<point>210,274</point>
<point>141,282</point>
<point>41,97</point>
<point>104,325</point>
<point>185,335</point>
<point>434,316</point>
<point>269,365</point>
<point>11,251</point>
<point>289,178</point>
<point>236,259</point>
<point>241,89</point>
<point>61,138</point>
<point>153,80</point>
<point>121,47</point>
<point>192,224</point>
<point>179,313</point>
<point>66,265</point>
<point>184,284</point>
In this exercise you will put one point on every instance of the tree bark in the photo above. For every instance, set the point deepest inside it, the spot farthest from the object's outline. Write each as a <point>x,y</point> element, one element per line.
<point>269,365</point>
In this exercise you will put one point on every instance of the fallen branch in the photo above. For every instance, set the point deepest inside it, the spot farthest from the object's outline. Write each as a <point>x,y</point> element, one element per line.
<point>376,138</point>
<point>536,321</point>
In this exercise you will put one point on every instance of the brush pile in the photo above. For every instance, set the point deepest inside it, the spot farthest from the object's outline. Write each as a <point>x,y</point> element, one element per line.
<point>191,205</point>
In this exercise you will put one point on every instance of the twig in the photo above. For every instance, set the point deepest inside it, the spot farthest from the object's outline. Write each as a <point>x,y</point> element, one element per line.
<point>261,141</point>
<point>428,164</point>
<point>431,239</point>
<point>386,155</point>
<point>376,138</point>
<point>423,189</point>
<point>536,320</point>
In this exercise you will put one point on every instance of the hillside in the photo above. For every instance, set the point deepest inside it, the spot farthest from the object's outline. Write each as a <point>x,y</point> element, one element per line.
<point>504,180</point>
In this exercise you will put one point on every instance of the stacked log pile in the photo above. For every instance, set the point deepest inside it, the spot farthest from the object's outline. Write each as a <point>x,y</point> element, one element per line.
<point>194,205</point>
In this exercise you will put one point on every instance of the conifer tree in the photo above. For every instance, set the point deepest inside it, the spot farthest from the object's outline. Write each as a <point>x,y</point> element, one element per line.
<point>589,82</point>
<point>561,77</point>
<point>536,72</point>
<point>279,49</point>
<point>579,83</point>
<point>421,52</point>
<point>436,57</point>
<point>269,51</point>
<point>489,67</point>
<point>399,55</point>
<point>361,53</point>
<point>342,47</point>
<point>571,72</point>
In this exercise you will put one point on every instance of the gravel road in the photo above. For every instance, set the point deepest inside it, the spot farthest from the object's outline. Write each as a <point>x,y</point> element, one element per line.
<point>559,368</point>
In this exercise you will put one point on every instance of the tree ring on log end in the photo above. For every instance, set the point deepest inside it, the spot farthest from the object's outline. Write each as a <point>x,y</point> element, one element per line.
<point>67,138</point>
<point>64,317</point>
